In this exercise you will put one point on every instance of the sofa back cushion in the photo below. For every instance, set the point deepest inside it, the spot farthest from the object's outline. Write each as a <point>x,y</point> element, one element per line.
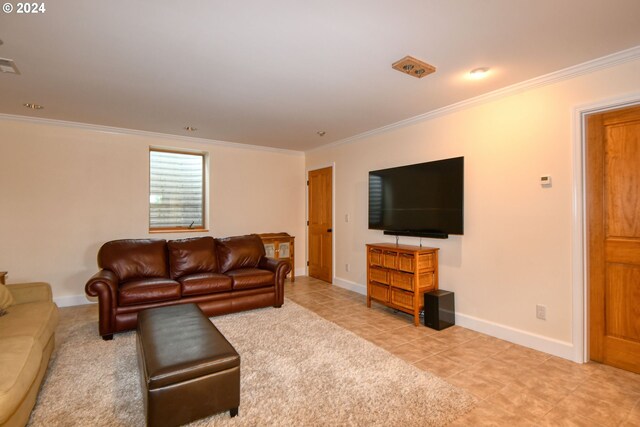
<point>134,258</point>
<point>191,256</point>
<point>6,299</point>
<point>239,252</point>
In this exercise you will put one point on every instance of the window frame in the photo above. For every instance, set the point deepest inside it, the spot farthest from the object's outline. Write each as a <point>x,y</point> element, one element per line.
<point>205,204</point>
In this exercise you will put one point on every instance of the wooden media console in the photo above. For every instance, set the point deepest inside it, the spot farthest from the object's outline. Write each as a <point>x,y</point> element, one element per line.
<point>399,275</point>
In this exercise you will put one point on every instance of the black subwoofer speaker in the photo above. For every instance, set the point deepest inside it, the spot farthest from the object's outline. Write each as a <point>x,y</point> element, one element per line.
<point>439,310</point>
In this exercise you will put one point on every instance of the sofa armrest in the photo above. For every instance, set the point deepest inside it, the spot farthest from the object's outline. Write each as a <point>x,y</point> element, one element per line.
<point>104,285</point>
<point>280,268</point>
<point>30,292</point>
<point>274,265</point>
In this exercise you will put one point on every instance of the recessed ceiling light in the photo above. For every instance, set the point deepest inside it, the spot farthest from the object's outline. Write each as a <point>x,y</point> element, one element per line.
<point>321,133</point>
<point>33,106</point>
<point>190,128</point>
<point>479,73</point>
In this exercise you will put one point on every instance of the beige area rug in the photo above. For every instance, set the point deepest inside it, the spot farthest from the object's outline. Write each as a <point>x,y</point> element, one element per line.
<point>297,369</point>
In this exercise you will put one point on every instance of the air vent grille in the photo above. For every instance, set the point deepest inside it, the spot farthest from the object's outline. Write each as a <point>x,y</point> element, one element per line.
<point>413,67</point>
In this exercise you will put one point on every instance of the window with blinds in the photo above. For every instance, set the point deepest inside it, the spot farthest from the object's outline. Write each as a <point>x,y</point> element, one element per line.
<point>176,190</point>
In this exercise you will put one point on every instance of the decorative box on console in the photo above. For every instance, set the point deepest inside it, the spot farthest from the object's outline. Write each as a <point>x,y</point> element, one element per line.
<point>280,246</point>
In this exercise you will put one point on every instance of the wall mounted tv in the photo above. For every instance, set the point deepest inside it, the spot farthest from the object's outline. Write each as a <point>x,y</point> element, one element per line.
<point>425,199</point>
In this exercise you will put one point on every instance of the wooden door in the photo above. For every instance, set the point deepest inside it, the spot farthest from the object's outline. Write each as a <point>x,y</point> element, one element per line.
<point>613,227</point>
<point>320,224</point>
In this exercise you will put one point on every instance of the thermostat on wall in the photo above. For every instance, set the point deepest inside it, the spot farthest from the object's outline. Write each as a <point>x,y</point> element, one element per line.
<point>545,180</point>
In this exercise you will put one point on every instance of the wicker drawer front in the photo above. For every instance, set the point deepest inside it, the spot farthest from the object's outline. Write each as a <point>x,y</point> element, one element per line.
<point>375,257</point>
<point>402,298</point>
<point>390,259</point>
<point>379,275</point>
<point>402,280</point>
<point>425,262</point>
<point>379,292</point>
<point>406,262</point>
<point>426,281</point>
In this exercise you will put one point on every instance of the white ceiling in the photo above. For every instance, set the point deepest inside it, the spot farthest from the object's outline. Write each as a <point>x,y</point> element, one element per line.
<point>273,73</point>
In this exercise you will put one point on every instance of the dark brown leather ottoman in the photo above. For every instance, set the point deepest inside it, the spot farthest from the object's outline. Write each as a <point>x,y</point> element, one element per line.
<point>187,367</point>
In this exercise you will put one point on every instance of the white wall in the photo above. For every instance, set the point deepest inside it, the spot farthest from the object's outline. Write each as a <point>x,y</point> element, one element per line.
<point>65,190</point>
<point>516,251</point>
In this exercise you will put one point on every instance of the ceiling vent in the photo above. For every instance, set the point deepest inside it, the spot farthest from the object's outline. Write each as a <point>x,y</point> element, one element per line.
<point>414,67</point>
<point>8,66</point>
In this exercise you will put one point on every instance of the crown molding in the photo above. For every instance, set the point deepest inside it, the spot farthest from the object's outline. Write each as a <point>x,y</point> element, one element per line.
<point>544,80</point>
<point>547,79</point>
<point>143,133</point>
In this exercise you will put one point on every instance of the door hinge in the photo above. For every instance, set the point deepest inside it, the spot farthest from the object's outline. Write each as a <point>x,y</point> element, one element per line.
<point>307,182</point>
<point>307,263</point>
<point>307,223</point>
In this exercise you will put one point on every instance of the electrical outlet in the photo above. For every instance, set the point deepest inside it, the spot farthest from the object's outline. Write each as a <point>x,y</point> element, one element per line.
<point>346,217</point>
<point>541,311</point>
<point>347,268</point>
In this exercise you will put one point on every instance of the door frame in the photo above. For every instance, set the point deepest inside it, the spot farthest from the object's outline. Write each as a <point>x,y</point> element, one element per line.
<point>331,165</point>
<point>579,259</point>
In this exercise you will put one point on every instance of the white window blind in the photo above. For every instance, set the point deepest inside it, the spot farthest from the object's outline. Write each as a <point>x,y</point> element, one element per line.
<point>176,190</point>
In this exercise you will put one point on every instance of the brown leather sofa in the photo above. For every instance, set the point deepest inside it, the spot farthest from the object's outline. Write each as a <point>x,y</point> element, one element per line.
<point>219,275</point>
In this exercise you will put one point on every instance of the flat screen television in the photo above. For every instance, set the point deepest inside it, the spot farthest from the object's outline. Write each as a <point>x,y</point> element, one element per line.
<point>425,199</point>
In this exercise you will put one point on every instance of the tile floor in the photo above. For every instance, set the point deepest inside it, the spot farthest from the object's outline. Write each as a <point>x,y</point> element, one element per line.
<point>514,385</point>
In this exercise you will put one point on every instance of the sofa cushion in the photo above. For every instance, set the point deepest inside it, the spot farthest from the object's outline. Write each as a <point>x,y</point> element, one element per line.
<point>20,360</point>
<point>239,252</point>
<point>247,278</point>
<point>30,292</point>
<point>204,283</point>
<point>36,319</point>
<point>134,258</point>
<point>144,291</point>
<point>189,256</point>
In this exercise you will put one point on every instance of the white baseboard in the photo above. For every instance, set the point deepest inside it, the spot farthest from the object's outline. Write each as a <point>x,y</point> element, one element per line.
<point>517,336</point>
<point>302,271</point>
<point>71,300</point>
<point>348,284</point>
<point>547,345</point>
<point>552,346</point>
